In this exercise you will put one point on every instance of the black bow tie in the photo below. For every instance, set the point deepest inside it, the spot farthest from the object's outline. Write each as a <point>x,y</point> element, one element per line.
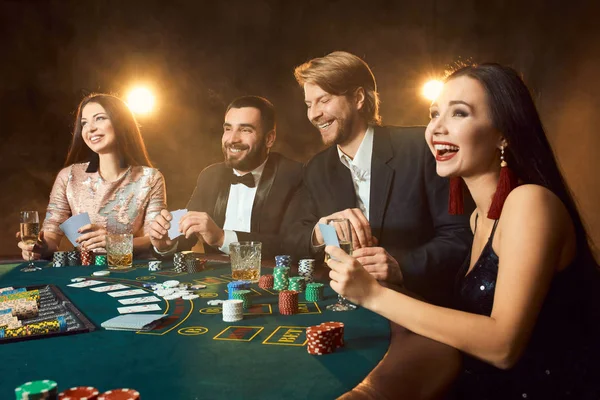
<point>247,180</point>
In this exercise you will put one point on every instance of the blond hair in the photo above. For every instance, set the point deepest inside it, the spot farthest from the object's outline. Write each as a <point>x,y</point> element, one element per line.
<point>341,73</point>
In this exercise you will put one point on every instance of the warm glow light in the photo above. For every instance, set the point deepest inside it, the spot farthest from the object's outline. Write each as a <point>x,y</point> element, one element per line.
<point>140,100</point>
<point>432,89</point>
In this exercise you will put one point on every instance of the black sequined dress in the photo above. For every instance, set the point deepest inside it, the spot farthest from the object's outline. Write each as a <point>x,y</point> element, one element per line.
<point>555,364</point>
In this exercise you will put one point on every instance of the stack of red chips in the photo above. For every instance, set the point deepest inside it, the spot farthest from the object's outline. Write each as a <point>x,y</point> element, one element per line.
<point>81,392</point>
<point>325,338</point>
<point>266,282</point>
<point>288,302</point>
<point>87,257</point>
<point>337,332</point>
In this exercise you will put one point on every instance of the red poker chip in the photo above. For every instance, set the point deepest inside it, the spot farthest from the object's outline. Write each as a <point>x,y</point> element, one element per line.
<point>120,394</point>
<point>79,393</point>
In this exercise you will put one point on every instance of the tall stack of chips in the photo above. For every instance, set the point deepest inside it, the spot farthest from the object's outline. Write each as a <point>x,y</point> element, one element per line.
<point>87,257</point>
<point>154,265</point>
<point>59,259</point>
<point>243,295</point>
<point>281,278</point>
<point>179,262</point>
<point>73,258</point>
<point>337,332</point>
<point>233,310</point>
<point>100,260</point>
<point>237,285</point>
<point>288,302</point>
<point>297,283</point>
<point>266,281</point>
<point>192,263</point>
<point>37,390</point>
<point>283,261</point>
<point>314,291</point>
<point>306,268</point>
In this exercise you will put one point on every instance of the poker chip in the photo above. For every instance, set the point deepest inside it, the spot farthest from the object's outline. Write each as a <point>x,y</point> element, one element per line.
<point>101,273</point>
<point>179,262</point>
<point>154,266</point>
<point>283,261</point>
<point>87,257</point>
<point>288,302</point>
<point>173,296</point>
<point>233,310</point>
<point>59,259</point>
<point>79,393</point>
<point>297,283</point>
<point>197,287</point>
<point>190,297</point>
<point>337,333</point>
<point>243,295</point>
<point>314,291</point>
<point>214,302</point>
<point>236,285</point>
<point>45,389</point>
<point>171,284</point>
<point>306,269</point>
<point>120,394</point>
<point>320,340</point>
<point>266,282</point>
<point>77,279</point>
<point>73,258</point>
<point>100,260</point>
<point>281,278</point>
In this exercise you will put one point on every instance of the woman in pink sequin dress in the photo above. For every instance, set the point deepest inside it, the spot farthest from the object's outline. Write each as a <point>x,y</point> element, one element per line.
<point>108,175</point>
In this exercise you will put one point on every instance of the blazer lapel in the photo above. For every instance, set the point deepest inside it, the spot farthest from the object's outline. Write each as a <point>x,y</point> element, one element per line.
<point>262,191</point>
<point>222,197</point>
<point>381,179</point>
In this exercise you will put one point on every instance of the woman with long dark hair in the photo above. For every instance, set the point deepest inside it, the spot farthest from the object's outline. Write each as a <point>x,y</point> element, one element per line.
<point>108,175</point>
<point>524,314</point>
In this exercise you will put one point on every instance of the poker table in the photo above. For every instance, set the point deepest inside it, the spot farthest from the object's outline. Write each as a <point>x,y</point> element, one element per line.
<point>195,355</point>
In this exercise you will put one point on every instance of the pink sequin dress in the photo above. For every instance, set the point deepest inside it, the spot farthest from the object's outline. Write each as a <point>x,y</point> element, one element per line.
<point>128,204</point>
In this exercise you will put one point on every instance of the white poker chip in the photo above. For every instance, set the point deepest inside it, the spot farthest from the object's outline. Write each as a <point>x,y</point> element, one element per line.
<point>196,287</point>
<point>164,292</point>
<point>173,296</point>
<point>101,273</point>
<point>214,302</point>
<point>190,297</point>
<point>77,279</point>
<point>171,284</point>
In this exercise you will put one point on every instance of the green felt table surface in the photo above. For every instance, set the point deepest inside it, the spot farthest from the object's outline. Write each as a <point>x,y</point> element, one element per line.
<point>195,355</point>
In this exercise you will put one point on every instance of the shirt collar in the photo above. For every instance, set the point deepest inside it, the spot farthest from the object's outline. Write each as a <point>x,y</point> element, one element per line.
<point>362,158</point>
<point>256,172</point>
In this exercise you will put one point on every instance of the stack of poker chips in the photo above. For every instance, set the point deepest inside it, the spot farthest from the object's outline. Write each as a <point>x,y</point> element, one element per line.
<point>100,260</point>
<point>243,295</point>
<point>233,310</point>
<point>288,302</point>
<point>87,257</point>
<point>80,392</point>
<point>73,258</point>
<point>337,329</point>
<point>59,259</point>
<point>119,394</point>
<point>325,338</point>
<point>179,262</point>
<point>192,263</point>
<point>297,283</point>
<point>236,285</point>
<point>314,291</point>
<point>306,268</point>
<point>58,324</point>
<point>26,294</point>
<point>266,281</point>
<point>37,390</point>
<point>283,261</point>
<point>21,308</point>
<point>281,278</point>
<point>154,266</point>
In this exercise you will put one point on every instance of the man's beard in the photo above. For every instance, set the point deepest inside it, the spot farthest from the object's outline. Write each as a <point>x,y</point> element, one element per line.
<point>250,161</point>
<point>342,135</point>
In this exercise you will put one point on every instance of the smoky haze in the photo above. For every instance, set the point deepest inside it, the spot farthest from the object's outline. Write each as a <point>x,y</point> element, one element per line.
<point>199,55</point>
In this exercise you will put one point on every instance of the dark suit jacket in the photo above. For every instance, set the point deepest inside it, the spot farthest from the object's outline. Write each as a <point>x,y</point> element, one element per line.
<point>408,209</point>
<point>279,180</point>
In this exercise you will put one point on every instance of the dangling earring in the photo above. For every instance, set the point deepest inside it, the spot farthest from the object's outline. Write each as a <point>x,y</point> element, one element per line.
<point>455,197</point>
<point>507,182</point>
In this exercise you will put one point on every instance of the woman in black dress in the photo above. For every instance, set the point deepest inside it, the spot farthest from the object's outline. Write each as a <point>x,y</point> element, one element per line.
<point>524,314</point>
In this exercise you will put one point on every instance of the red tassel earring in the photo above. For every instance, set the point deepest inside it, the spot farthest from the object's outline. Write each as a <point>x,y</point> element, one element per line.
<point>455,197</point>
<point>507,182</point>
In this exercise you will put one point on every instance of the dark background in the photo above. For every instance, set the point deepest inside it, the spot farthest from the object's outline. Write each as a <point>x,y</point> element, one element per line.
<point>198,55</point>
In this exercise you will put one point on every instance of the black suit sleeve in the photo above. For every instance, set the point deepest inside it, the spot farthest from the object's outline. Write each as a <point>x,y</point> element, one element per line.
<point>299,224</point>
<point>430,269</point>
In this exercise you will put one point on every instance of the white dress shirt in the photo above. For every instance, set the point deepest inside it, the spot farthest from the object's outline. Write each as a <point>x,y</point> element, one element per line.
<point>238,216</point>
<point>360,169</point>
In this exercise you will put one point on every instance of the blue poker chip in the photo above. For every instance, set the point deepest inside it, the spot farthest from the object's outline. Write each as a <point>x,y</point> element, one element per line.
<point>149,284</point>
<point>62,323</point>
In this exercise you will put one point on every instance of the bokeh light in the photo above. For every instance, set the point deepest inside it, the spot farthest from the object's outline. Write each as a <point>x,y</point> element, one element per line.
<point>431,90</point>
<point>140,100</point>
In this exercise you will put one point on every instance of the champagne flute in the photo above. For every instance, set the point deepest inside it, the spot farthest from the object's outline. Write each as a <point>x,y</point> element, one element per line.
<point>30,228</point>
<point>344,234</point>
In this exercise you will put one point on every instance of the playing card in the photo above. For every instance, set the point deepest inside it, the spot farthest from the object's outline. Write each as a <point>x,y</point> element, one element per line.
<point>139,300</point>
<point>108,288</point>
<point>142,308</point>
<point>127,292</point>
<point>70,226</point>
<point>83,284</point>
<point>329,235</point>
<point>174,230</point>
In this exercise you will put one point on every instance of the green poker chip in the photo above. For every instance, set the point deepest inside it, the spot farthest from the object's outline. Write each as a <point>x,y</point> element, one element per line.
<point>35,390</point>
